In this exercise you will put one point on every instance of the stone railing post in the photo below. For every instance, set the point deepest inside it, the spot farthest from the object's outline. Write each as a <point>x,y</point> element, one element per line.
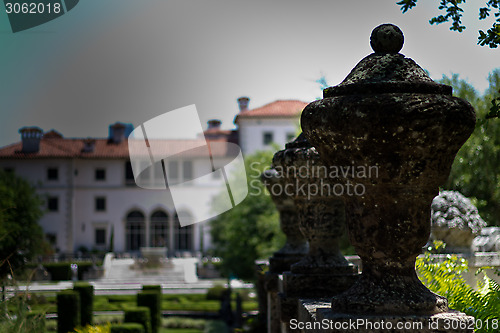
<point>294,249</point>
<point>324,271</point>
<point>396,133</point>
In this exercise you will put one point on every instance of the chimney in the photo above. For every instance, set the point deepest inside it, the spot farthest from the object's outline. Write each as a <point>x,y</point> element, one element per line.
<point>30,137</point>
<point>243,103</point>
<point>214,124</point>
<point>88,145</point>
<point>116,133</point>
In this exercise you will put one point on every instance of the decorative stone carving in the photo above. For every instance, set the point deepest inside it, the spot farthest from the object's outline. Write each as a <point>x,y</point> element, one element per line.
<point>324,271</point>
<point>294,249</point>
<point>487,241</point>
<point>296,245</point>
<point>455,221</point>
<point>388,113</point>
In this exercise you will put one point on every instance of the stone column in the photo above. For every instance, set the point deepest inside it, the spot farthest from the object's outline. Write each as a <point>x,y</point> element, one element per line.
<point>398,132</point>
<point>294,249</point>
<point>323,272</point>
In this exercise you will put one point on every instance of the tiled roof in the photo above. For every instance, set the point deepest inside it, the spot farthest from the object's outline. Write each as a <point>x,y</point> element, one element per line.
<point>55,147</point>
<point>277,109</point>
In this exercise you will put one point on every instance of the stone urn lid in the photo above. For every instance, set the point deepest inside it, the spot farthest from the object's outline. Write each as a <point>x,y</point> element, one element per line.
<point>386,70</point>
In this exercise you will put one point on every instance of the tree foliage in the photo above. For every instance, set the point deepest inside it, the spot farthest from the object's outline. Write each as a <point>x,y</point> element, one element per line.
<point>20,235</point>
<point>445,278</point>
<point>249,231</point>
<point>453,12</point>
<point>476,170</point>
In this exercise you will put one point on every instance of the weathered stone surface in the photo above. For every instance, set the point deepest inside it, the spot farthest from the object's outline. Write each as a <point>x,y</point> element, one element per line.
<point>487,241</point>
<point>455,220</point>
<point>321,217</point>
<point>294,249</point>
<point>296,245</point>
<point>389,114</point>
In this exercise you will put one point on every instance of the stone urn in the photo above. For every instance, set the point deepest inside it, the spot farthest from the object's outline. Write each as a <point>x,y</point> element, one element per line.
<point>296,245</point>
<point>396,133</point>
<point>321,216</point>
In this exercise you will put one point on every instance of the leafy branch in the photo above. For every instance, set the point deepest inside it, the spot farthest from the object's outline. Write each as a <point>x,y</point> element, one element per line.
<point>453,12</point>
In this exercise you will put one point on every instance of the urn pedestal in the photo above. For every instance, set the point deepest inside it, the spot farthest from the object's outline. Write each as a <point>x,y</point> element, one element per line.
<point>294,249</point>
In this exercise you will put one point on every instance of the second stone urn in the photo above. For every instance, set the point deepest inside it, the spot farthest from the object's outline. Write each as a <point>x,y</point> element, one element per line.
<point>395,133</point>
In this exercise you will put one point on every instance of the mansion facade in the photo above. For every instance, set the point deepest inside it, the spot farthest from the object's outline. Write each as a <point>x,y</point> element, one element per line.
<point>93,202</point>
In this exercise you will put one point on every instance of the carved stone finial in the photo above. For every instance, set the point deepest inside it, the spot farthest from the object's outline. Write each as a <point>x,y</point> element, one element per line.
<point>387,38</point>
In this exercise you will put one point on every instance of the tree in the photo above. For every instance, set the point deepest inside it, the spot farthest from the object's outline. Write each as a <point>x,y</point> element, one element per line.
<point>476,170</point>
<point>21,236</point>
<point>453,12</point>
<point>249,231</point>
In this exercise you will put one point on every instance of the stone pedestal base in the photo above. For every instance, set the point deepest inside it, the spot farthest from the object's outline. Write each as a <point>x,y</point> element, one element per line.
<point>300,286</point>
<point>273,284</point>
<point>317,316</point>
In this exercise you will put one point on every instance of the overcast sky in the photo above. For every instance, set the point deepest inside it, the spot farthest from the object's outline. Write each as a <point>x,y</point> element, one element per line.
<point>129,60</point>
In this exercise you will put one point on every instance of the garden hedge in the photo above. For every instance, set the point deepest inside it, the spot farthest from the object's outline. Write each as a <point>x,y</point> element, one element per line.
<point>86,292</point>
<point>127,328</point>
<point>68,311</point>
<point>151,299</point>
<point>139,315</point>
<point>61,271</point>
<point>152,287</point>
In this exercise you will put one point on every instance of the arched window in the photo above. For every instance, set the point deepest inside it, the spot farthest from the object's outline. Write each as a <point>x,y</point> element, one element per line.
<point>183,235</point>
<point>135,236</point>
<point>158,231</point>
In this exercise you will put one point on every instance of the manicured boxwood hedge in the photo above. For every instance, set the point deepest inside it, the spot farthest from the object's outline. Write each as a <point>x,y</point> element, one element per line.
<point>152,287</point>
<point>151,299</point>
<point>68,311</point>
<point>139,315</point>
<point>86,292</point>
<point>127,328</point>
<point>60,271</point>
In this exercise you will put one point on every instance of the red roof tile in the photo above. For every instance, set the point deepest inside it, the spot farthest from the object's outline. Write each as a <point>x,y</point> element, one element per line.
<point>54,147</point>
<point>277,109</point>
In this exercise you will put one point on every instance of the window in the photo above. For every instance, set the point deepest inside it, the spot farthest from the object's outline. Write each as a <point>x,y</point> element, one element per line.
<point>290,137</point>
<point>100,236</point>
<point>183,235</point>
<point>100,174</point>
<point>129,174</point>
<point>134,232</point>
<point>53,204</point>
<point>268,138</point>
<point>187,170</point>
<point>52,174</point>
<point>100,204</point>
<point>158,229</point>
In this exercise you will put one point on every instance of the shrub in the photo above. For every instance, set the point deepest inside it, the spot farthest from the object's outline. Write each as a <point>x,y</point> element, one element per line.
<point>59,271</point>
<point>83,267</point>
<point>444,278</point>
<point>152,287</point>
<point>139,315</point>
<point>86,292</point>
<point>35,322</point>
<point>151,299</point>
<point>127,328</point>
<point>68,311</point>
<point>216,292</point>
<point>94,329</point>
